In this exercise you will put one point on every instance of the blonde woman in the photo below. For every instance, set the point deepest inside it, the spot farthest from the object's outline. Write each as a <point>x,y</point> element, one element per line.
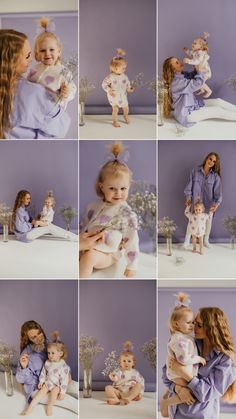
<point>27,110</point>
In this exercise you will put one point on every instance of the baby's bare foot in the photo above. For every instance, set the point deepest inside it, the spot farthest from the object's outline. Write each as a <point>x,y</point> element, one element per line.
<point>194,250</point>
<point>126,118</point>
<point>113,401</point>
<point>125,401</point>
<point>116,124</point>
<point>137,398</point>
<point>24,413</point>
<point>49,410</point>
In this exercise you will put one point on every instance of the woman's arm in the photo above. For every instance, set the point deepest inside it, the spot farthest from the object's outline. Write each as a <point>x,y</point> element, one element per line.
<point>217,191</point>
<point>188,191</point>
<point>21,224</point>
<point>183,86</point>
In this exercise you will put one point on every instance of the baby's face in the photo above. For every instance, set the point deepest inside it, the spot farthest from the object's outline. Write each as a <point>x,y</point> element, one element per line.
<point>48,203</point>
<point>116,188</point>
<point>198,209</point>
<point>119,68</point>
<point>186,323</point>
<point>197,44</point>
<point>48,52</point>
<point>126,362</point>
<point>54,355</point>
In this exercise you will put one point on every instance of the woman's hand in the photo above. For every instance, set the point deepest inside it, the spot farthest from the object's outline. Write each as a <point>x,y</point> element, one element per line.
<point>24,360</point>
<point>185,395</point>
<point>129,273</point>
<point>214,208</point>
<point>87,241</point>
<point>179,369</point>
<point>202,360</point>
<point>188,201</point>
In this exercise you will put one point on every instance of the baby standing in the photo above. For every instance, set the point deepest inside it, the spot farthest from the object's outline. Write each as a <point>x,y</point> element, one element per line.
<point>54,377</point>
<point>181,345</point>
<point>197,223</point>
<point>199,55</point>
<point>128,383</point>
<point>117,85</point>
<point>49,71</point>
<point>112,215</point>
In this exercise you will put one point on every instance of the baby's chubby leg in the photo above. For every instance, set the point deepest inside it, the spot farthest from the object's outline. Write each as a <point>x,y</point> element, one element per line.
<point>132,394</point>
<point>126,114</point>
<point>194,240</point>
<point>201,245</point>
<point>115,111</point>
<point>51,400</point>
<point>93,259</point>
<point>39,396</point>
<point>113,395</point>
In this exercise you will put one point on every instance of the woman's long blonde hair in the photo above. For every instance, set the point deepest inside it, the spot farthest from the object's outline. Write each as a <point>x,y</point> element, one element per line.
<point>168,75</point>
<point>11,45</point>
<point>216,327</point>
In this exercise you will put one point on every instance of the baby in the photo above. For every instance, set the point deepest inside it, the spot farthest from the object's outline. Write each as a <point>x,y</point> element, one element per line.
<point>117,85</point>
<point>50,72</point>
<point>199,55</point>
<point>197,223</point>
<point>181,346</point>
<point>114,216</point>
<point>54,377</point>
<point>47,214</point>
<point>128,383</point>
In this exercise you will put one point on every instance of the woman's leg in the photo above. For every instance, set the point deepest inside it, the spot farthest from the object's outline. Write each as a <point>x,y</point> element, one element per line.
<point>93,259</point>
<point>187,237</point>
<point>39,396</point>
<point>221,104</point>
<point>113,395</point>
<point>51,400</point>
<point>37,232</point>
<point>207,233</point>
<point>213,112</point>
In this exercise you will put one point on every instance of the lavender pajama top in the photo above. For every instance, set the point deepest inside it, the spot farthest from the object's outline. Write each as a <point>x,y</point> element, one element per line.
<point>208,387</point>
<point>35,113</point>
<point>29,376</point>
<point>119,222</point>
<point>207,188</point>
<point>22,224</point>
<point>184,101</point>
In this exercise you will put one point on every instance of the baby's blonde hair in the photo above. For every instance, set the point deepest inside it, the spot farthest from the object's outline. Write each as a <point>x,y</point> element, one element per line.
<point>128,351</point>
<point>44,24</point>
<point>118,59</point>
<point>56,342</point>
<point>179,311</point>
<point>203,40</point>
<point>112,167</point>
<point>199,203</point>
<point>51,197</point>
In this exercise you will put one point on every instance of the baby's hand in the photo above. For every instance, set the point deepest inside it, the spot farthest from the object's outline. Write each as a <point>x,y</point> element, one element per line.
<point>112,92</point>
<point>64,90</point>
<point>185,60</point>
<point>129,273</point>
<point>60,396</point>
<point>40,385</point>
<point>113,377</point>
<point>202,361</point>
<point>130,89</point>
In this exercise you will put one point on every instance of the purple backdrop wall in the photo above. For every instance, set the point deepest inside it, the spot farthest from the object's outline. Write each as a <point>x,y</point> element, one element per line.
<point>93,154</point>
<point>108,25</point>
<point>114,312</point>
<point>176,159</point>
<point>39,300</point>
<point>66,30</point>
<point>39,167</point>
<point>179,22</point>
<point>200,297</point>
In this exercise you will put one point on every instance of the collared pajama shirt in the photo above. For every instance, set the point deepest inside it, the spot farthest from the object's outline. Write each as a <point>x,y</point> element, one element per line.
<point>208,387</point>
<point>206,188</point>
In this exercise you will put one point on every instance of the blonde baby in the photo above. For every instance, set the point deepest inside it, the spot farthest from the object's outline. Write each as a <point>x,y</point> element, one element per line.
<point>47,214</point>
<point>112,215</point>
<point>117,85</point>
<point>197,223</point>
<point>49,71</point>
<point>128,383</point>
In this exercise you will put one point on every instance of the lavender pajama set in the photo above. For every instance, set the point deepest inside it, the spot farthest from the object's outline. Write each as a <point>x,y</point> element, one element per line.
<point>211,383</point>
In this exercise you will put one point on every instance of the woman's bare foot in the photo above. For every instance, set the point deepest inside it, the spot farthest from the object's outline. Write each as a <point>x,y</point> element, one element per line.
<point>49,410</point>
<point>113,401</point>
<point>24,413</point>
<point>116,124</point>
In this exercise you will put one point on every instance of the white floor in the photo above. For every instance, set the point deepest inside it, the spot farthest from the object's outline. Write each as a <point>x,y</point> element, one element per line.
<point>222,416</point>
<point>11,407</point>
<point>217,262</point>
<point>97,408</point>
<point>43,258</point>
<point>210,129</point>
<point>146,269</point>
<point>100,127</point>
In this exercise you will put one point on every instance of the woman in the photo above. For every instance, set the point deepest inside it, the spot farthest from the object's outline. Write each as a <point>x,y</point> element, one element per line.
<point>204,184</point>
<point>27,110</point>
<point>180,96</point>
<point>200,396</point>
<point>27,229</point>
<point>33,348</point>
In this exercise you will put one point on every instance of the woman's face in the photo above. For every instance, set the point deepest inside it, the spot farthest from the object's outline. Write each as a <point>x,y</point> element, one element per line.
<point>198,328</point>
<point>36,336</point>
<point>26,200</point>
<point>25,58</point>
<point>211,161</point>
<point>177,65</point>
